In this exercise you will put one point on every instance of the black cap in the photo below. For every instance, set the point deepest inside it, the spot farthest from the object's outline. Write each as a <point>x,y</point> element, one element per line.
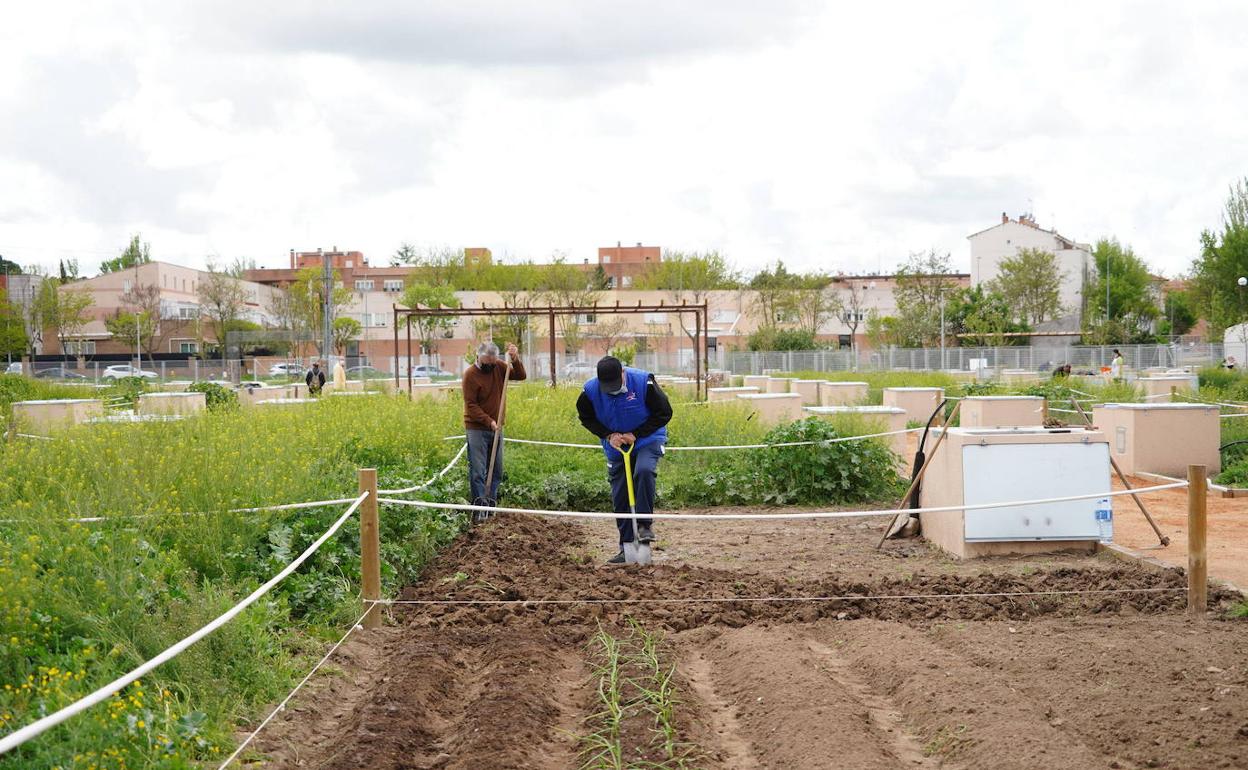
<point>610,374</point>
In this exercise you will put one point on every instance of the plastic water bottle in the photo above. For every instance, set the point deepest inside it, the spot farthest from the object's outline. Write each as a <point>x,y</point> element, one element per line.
<point>1105,519</point>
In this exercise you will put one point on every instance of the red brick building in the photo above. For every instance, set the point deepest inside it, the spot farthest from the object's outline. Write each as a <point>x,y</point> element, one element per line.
<point>622,264</point>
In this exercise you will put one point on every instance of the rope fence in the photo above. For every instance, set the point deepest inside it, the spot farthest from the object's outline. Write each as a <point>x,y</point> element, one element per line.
<point>418,487</point>
<point>34,729</point>
<point>784,516</point>
<point>706,448</point>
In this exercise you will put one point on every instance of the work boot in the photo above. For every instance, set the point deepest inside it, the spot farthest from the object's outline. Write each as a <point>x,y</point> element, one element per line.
<point>645,534</point>
<point>618,558</point>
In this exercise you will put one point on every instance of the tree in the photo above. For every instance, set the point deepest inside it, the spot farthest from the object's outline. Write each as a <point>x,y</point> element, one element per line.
<point>13,340</point>
<point>1030,282</point>
<point>308,298</point>
<point>853,309</point>
<point>135,253</point>
<point>222,298</point>
<point>567,285</point>
<point>983,315</point>
<point>144,300</point>
<point>1178,314</point>
<point>122,325</point>
<point>1223,260</point>
<point>923,284</point>
<point>430,328</point>
<point>345,330</point>
<point>9,268</point>
<point>689,277</point>
<point>404,255</point>
<point>68,269</point>
<point>599,281</point>
<point>1132,304</point>
<point>41,313</point>
<point>774,297</point>
<point>284,306</point>
<point>71,315</point>
<point>814,308</point>
<point>611,329</point>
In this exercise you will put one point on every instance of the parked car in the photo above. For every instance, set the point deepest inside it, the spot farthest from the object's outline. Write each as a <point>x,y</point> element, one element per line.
<point>427,370</point>
<point>118,371</point>
<point>285,370</point>
<point>364,372</point>
<point>14,368</point>
<point>580,370</point>
<point>58,373</point>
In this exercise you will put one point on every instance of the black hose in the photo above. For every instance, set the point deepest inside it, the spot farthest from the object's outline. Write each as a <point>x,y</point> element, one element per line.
<point>920,457</point>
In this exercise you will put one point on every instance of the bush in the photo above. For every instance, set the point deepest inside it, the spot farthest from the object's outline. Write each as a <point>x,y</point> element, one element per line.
<point>218,397</point>
<point>844,472</point>
<point>129,389</point>
<point>782,339</point>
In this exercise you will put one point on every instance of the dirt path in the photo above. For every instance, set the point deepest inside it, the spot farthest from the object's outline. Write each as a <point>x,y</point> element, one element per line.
<point>1099,680</point>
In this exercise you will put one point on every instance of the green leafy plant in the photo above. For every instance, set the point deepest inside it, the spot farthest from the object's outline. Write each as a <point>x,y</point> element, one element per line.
<point>842,472</point>
<point>218,397</point>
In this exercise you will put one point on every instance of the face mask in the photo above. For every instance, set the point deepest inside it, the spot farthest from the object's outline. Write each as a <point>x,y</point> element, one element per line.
<point>487,367</point>
<point>623,389</point>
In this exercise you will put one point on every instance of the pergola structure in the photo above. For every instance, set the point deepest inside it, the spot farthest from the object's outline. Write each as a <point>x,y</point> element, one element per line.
<point>700,313</point>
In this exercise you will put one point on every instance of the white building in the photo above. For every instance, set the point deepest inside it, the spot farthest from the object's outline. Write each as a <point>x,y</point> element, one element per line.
<point>1005,239</point>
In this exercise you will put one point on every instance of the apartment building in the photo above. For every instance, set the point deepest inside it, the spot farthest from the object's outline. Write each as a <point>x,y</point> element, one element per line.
<point>1004,239</point>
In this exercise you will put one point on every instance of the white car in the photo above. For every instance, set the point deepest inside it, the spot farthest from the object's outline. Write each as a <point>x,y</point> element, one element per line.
<point>118,371</point>
<point>580,370</point>
<point>285,370</point>
<point>14,368</point>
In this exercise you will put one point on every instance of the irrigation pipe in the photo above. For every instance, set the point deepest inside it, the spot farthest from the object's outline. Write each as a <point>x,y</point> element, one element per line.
<point>18,737</point>
<point>779,516</point>
<point>282,706</point>
<point>711,448</point>
<point>418,487</point>
<point>775,599</point>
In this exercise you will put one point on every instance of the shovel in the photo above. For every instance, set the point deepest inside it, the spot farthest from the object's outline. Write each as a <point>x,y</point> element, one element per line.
<point>635,552</point>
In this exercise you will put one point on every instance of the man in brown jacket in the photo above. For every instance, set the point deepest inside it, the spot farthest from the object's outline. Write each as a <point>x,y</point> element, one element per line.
<point>483,385</point>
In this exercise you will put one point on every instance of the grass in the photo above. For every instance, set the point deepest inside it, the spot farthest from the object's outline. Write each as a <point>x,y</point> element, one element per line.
<point>634,687</point>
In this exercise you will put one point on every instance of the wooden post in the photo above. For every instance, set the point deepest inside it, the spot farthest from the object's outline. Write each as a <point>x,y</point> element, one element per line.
<point>397,384</point>
<point>409,355</point>
<point>554,380</point>
<point>1174,393</point>
<point>1197,562</point>
<point>370,547</point>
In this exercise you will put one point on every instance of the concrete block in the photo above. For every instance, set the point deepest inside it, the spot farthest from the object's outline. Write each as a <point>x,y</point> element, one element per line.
<point>756,381</point>
<point>728,394</point>
<point>807,389</point>
<point>889,418</point>
<point>842,393</point>
<point>1001,411</point>
<point>1160,387</point>
<point>774,408</point>
<point>172,403</point>
<point>779,384</point>
<point>1161,438</point>
<point>43,417</point>
<point>919,403</point>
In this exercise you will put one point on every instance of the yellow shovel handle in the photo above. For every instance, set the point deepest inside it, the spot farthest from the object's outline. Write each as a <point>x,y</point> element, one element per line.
<point>628,475</point>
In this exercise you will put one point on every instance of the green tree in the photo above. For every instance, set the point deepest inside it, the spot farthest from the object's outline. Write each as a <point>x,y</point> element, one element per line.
<point>983,316</point>
<point>430,328</point>
<point>923,284</point>
<point>222,299</point>
<point>135,253</point>
<point>1222,262</point>
<point>1030,282</point>
<point>71,315</point>
<point>13,340</point>
<point>307,295</point>
<point>122,325</point>
<point>1178,314</point>
<point>345,330</point>
<point>9,268</point>
<point>1132,303</point>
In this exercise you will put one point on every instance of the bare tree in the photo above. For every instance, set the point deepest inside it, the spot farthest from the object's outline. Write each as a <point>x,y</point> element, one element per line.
<point>222,298</point>
<point>853,310</point>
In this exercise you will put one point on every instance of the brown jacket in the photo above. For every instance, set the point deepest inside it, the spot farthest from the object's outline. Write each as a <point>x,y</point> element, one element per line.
<point>483,393</point>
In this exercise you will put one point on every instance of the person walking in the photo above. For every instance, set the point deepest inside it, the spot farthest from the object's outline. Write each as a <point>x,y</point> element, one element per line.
<point>623,406</point>
<point>1115,366</point>
<point>483,386</point>
<point>315,379</point>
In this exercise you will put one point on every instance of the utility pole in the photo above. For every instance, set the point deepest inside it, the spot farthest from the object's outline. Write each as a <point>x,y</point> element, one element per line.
<point>327,308</point>
<point>138,340</point>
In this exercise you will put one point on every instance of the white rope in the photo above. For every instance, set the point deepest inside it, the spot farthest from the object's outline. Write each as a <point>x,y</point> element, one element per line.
<point>1229,416</point>
<point>282,706</point>
<point>1066,411</point>
<point>1200,400</point>
<point>18,737</point>
<point>418,487</point>
<point>716,447</point>
<point>29,435</point>
<point>283,507</point>
<point>764,599</point>
<point>779,516</point>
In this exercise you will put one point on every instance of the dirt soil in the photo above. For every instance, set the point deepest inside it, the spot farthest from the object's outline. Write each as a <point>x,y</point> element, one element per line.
<point>1110,680</point>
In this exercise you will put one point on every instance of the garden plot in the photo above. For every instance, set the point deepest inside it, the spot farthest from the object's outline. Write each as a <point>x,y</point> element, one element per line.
<point>1079,680</point>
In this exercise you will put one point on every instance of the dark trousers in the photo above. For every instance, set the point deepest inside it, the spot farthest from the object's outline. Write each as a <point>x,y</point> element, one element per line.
<point>479,443</point>
<point>645,461</point>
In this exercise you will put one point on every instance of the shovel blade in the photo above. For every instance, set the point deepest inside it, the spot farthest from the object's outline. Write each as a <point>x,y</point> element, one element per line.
<point>637,553</point>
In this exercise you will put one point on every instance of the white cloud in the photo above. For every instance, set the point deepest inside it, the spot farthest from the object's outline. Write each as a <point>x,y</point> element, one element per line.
<point>832,137</point>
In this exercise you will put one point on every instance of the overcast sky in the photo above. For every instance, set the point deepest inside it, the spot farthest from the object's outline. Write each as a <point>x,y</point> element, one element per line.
<point>833,136</point>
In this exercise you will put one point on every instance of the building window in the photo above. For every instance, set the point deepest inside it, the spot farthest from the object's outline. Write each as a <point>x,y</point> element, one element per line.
<point>610,281</point>
<point>849,315</point>
<point>392,285</point>
<point>628,281</point>
<point>188,347</point>
<point>80,347</point>
<point>606,259</point>
<point>585,318</point>
<point>656,318</point>
<point>365,285</point>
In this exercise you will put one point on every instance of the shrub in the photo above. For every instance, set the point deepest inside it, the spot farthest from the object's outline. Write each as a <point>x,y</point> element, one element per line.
<point>843,472</point>
<point>218,397</point>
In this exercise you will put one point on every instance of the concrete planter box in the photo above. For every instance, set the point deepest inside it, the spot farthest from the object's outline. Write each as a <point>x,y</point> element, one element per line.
<point>172,403</point>
<point>728,394</point>
<point>1001,411</point>
<point>889,418</point>
<point>807,389</point>
<point>43,417</point>
<point>285,401</point>
<point>918,403</point>
<point>1161,438</point>
<point>438,391</point>
<point>1159,388</point>
<point>249,396</point>
<point>842,393</point>
<point>756,381</point>
<point>779,384</point>
<point>774,408</point>
<point>1016,376</point>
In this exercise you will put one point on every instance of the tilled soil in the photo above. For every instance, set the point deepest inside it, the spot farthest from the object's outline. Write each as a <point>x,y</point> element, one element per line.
<point>480,673</point>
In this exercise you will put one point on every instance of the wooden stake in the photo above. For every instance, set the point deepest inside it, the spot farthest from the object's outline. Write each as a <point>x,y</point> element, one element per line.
<point>370,547</point>
<point>1197,559</point>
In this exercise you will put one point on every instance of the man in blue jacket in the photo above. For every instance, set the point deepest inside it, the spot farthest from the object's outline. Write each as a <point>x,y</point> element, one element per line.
<point>624,406</point>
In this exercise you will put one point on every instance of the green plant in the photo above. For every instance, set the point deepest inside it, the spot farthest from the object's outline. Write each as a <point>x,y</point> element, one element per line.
<point>218,397</point>
<point>842,472</point>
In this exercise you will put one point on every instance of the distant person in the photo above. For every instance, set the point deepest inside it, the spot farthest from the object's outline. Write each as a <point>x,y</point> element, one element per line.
<point>1115,365</point>
<point>315,379</point>
<point>1061,372</point>
<point>1228,362</point>
<point>483,386</point>
<point>623,406</point>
